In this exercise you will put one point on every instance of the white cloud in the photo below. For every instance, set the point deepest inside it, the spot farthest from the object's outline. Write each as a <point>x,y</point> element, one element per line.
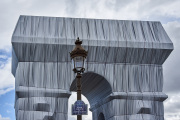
<point>8,111</point>
<point>171,74</point>
<point>159,10</point>
<point>172,107</point>
<point>4,91</point>
<point>4,118</point>
<point>113,9</point>
<point>9,104</point>
<point>171,69</point>
<point>3,57</point>
<point>7,82</point>
<point>172,117</point>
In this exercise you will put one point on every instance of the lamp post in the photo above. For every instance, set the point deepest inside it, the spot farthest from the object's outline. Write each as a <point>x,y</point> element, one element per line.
<point>78,56</point>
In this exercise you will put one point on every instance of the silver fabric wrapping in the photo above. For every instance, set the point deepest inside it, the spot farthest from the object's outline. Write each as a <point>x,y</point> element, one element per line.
<point>123,78</point>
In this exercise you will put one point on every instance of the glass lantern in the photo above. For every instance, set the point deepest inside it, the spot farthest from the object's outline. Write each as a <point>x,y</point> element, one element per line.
<point>78,56</point>
<point>78,63</point>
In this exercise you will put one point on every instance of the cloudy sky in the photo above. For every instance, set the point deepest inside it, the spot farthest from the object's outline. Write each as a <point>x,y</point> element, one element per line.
<point>165,11</point>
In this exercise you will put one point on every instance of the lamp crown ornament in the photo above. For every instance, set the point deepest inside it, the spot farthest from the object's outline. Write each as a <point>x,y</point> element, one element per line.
<point>78,50</point>
<point>78,41</point>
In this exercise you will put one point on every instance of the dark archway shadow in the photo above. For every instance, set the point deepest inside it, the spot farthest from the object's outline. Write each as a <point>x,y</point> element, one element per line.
<point>101,116</point>
<point>94,87</point>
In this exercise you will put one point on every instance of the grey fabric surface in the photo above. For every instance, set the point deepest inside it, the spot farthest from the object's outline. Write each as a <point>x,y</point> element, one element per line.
<point>124,74</point>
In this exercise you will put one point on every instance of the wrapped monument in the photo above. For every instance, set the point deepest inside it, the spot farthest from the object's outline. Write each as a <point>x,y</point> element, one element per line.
<point>123,79</point>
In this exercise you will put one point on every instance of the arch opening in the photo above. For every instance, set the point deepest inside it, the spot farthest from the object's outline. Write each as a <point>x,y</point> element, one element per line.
<point>101,116</point>
<point>94,87</point>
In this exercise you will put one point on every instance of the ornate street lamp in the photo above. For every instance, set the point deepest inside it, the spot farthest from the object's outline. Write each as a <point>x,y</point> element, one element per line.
<point>78,56</point>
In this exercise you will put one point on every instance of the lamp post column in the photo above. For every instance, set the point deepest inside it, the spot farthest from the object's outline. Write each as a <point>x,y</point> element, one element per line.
<point>78,56</point>
<point>78,84</point>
